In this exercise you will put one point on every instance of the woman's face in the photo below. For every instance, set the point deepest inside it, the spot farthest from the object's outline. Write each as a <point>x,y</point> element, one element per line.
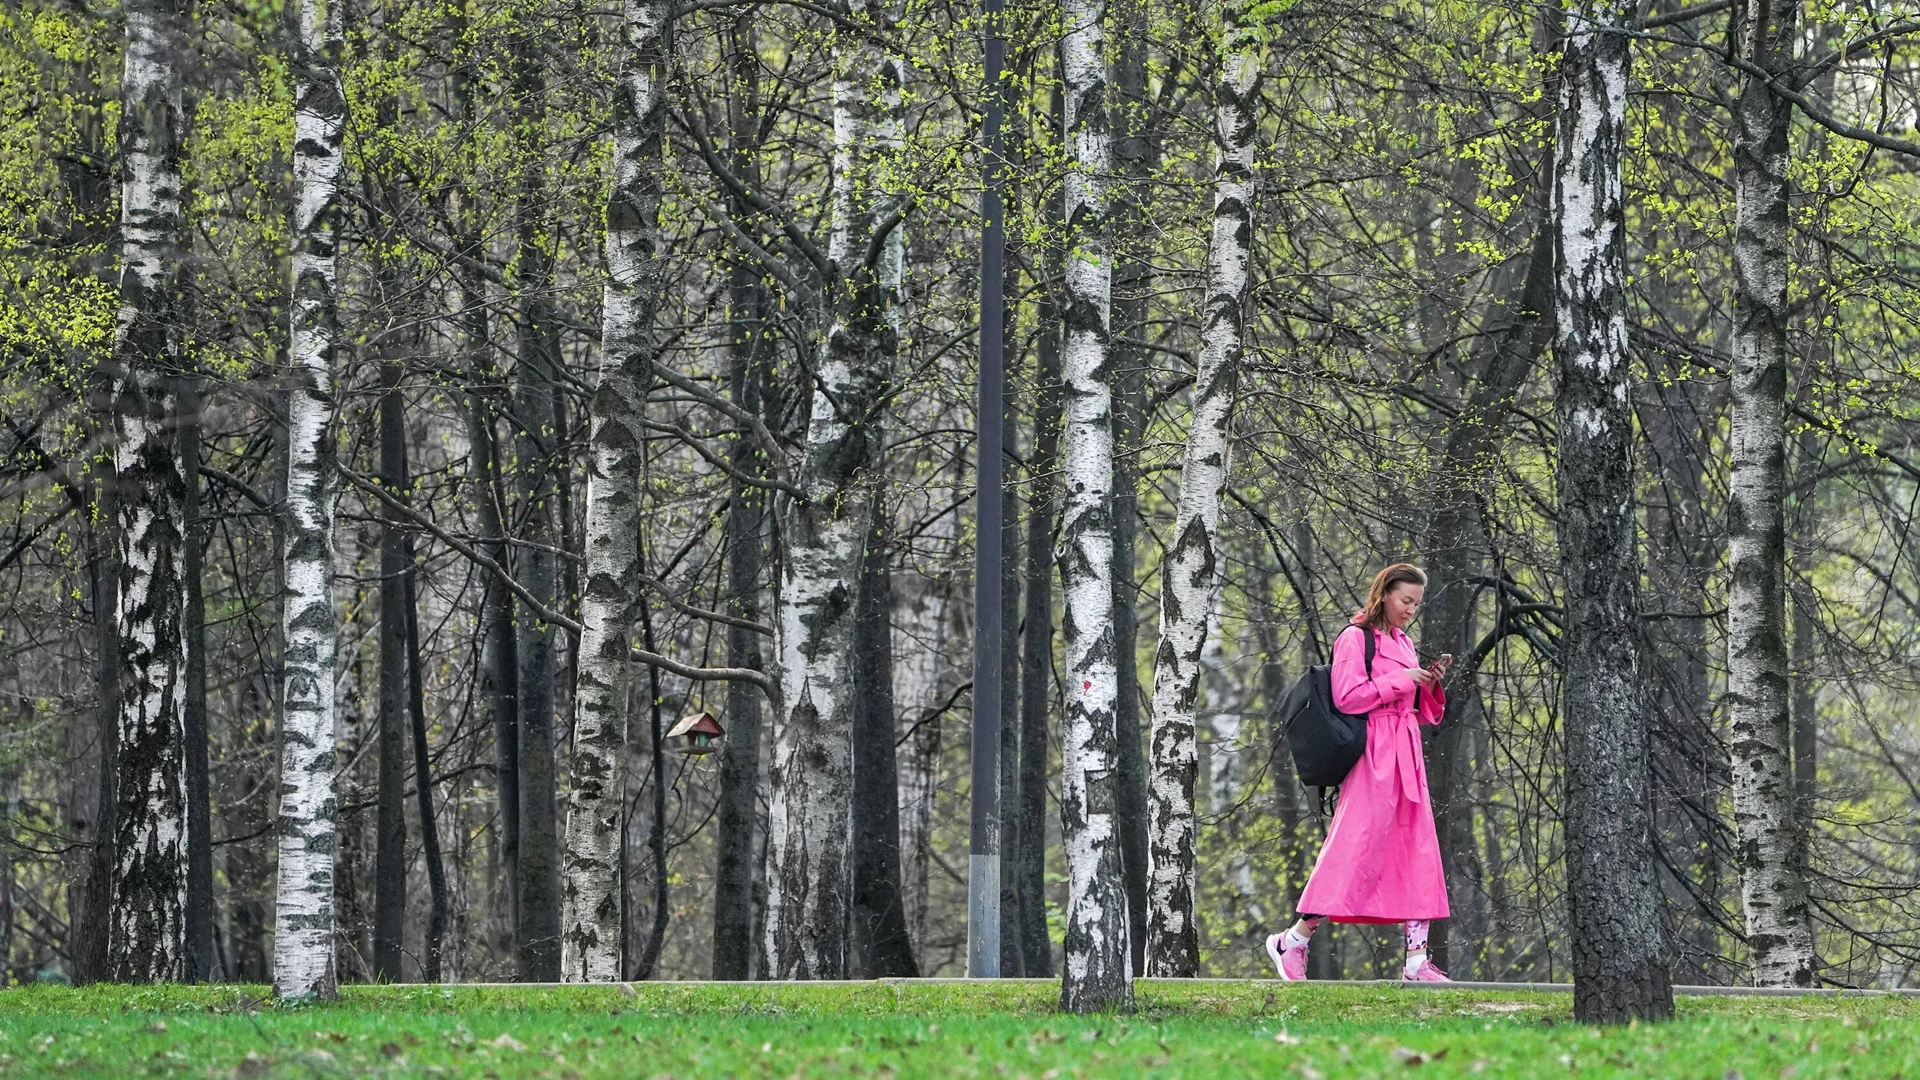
<point>1403,603</point>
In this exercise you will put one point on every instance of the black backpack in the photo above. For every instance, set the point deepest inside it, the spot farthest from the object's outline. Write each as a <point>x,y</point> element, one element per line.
<point>1326,743</point>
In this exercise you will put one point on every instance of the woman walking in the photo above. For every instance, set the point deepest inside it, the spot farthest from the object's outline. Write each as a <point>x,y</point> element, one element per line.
<point>1381,861</point>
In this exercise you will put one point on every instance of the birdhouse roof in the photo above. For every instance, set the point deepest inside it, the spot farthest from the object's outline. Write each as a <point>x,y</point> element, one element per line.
<point>698,722</point>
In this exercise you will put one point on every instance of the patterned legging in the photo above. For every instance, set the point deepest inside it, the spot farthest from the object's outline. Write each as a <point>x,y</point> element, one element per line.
<point>1417,930</point>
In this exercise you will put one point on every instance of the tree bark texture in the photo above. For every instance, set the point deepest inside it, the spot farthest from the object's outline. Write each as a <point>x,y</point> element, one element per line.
<point>147,933</point>
<point>1099,971</point>
<point>431,952</point>
<point>1769,841</point>
<point>738,811</point>
<point>390,785</point>
<point>1806,628</point>
<point>1133,149</point>
<point>303,915</point>
<point>1619,959</point>
<point>1189,574</point>
<point>810,827</point>
<point>498,661</point>
<point>1029,868</point>
<point>539,474</point>
<point>92,811</point>
<point>881,946</point>
<point>616,443</point>
<point>657,827</point>
<point>199,964</point>
<point>1013,836</point>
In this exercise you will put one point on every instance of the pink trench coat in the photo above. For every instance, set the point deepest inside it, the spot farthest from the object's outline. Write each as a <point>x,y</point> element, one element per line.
<point>1381,861</point>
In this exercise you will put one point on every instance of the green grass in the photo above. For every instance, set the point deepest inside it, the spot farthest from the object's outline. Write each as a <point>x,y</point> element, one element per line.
<point>1204,1031</point>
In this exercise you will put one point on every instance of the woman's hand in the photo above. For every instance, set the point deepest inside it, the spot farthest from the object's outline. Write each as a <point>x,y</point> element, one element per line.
<point>1422,676</point>
<point>1440,668</point>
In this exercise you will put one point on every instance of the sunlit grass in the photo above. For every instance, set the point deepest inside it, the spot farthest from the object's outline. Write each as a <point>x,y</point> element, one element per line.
<point>1206,1031</point>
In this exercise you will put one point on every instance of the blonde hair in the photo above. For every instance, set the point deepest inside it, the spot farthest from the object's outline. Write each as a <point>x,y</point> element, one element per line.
<point>1374,615</point>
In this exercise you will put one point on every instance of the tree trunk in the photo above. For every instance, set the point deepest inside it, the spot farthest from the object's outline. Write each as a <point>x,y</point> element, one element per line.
<point>1770,842</point>
<point>431,947</point>
<point>1013,837</point>
<point>539,471</point>
<point>656,828</point>
<point>199,963</point>
<point>1806,626</point>
<point>1133,151</point>
<point>498,662</point>
<point>147,935</point>
<point>810,828</point>
<point>1190,575</point>
<point>1099,970</point>
<point>881,946</point>
<point>1029,868</point>
<point>303,914</point>
<point>739,820</point>
<point>617,443</point>
<point>9,797</point>
<point>390,785</point>
<point>1619,956</point>
<point>91,897</point>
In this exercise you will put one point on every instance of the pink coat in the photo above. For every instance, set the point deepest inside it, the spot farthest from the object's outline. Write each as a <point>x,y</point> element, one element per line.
<point>1381,861</point>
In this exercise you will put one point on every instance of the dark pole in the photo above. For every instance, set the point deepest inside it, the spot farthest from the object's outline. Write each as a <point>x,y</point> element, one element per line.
<point>983,850</point>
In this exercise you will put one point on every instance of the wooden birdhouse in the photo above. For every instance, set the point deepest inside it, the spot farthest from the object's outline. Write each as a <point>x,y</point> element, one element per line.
<point>696,734</point>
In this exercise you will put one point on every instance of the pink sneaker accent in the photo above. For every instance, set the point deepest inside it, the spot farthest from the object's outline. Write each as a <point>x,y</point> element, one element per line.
<point>1290,963</point>
<point>1428,971</point>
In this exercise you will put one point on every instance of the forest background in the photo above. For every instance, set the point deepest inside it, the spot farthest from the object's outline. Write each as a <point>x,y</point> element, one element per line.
<point>1395,401</point>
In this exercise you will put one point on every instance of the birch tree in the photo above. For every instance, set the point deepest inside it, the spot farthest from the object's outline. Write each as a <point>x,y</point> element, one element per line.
<point>881,945</point>
<point>590,926</point>
<point>1189,574</point>
<point>147,932</point>
<point>1770,839</point>
<point>1098,971</point>
<point>823,521</point>
<point>303,912</point>
<point>1619,958</point>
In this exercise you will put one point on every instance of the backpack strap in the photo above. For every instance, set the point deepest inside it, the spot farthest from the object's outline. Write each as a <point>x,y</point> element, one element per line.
<point>1329,796</point>
<point>1366,635</point>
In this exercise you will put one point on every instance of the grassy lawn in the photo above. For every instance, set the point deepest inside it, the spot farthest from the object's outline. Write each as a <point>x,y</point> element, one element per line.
<point>1207,1032</point>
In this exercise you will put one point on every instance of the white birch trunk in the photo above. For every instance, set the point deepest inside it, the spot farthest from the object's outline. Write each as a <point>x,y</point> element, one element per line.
<point>1619,957</point>
<point>810,814</point>
<point>1189,575</point>
<point>1770,838</point>
<point>303,945</point>
<point>146,937</point>
<point>590,920</point>
<point>1099,966</point>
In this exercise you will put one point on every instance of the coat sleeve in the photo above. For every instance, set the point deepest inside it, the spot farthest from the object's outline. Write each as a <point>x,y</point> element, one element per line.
<point>1433,704</point>
<point>1355,694</point>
